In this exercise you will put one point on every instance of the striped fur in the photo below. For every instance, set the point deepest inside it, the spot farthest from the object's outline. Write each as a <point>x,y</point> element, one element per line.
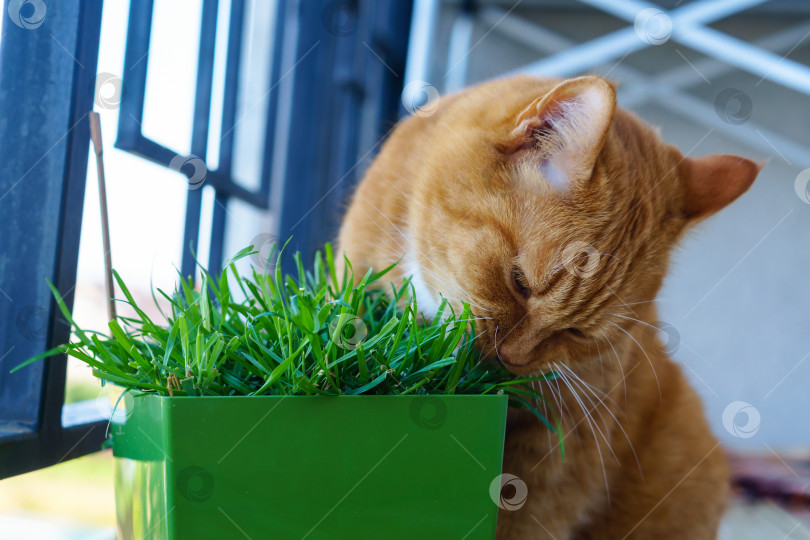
<point>465,196</point>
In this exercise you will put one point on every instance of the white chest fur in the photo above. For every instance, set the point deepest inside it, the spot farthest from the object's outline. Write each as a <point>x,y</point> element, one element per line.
<point>427,301</point>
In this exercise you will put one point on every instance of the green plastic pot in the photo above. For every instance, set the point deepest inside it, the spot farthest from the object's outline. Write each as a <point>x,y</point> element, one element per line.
<point>308,467</point>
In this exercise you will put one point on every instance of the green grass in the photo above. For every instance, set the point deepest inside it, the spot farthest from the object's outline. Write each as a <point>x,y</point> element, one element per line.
<point>309,334</point>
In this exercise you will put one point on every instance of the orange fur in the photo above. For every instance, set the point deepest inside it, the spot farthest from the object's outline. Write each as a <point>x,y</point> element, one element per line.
<point>554,213</point>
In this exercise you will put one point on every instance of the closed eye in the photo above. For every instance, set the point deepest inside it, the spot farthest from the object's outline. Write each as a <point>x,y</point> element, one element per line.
<point>576,332</point>
<point>519,283</point>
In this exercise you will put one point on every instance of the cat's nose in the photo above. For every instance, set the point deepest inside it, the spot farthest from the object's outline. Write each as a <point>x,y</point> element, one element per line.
<point>510,354</point>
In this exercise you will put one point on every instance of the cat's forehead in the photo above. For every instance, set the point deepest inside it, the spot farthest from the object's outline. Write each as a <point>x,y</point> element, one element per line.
<point>537,229</point>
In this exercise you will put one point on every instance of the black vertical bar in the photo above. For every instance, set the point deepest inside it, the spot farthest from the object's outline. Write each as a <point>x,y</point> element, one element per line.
<point>348,100</point>
<point>136,61</point>
<point>75,174</point>
<point>44,138</point>
<point>199,133</point>
<point>228,129</point>
<point>273,98</point>
<point>310,130</point>
<point>389,39</point>
<point>215,255</point>
<point>342,95</point>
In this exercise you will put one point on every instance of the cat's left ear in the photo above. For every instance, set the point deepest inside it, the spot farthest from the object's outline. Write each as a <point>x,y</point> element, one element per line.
<point>563,131</point>
<point>712,182</point>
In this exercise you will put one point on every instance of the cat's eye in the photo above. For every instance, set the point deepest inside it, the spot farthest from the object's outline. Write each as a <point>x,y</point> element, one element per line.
<point>576,332</point>
<point>519,282</point>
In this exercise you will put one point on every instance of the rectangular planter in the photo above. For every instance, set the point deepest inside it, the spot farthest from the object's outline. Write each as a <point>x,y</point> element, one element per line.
<point>308,467</point>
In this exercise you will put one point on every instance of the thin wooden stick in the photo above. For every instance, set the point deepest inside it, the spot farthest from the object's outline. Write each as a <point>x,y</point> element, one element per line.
<point>95,135</point>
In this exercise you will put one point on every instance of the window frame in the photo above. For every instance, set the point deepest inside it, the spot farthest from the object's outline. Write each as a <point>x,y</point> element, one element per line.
<point>42,233</point>
<point>357,95</point>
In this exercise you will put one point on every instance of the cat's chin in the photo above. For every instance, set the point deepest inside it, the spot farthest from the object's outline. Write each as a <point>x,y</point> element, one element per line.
<point>539,367</point>
<point>532,368</point>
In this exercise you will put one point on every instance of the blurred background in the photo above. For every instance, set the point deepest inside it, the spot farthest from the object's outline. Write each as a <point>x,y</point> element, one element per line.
<point>233,122</point>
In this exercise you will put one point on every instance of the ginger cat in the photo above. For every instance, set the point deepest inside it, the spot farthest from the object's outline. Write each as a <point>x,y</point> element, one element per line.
<point>554,213</point>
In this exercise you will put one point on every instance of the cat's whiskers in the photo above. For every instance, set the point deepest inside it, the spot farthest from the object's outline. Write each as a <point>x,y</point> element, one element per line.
<point>479,334</point>
<point>591,423</point>
<point>473,319</point>
<point>638,303</point>
<point>601,362</point>
<point>592,388</point>
<point>588,411</point>
<point>536,386</point>
<point>621,368</point>
<point>655,374</point>
<point>562,411</point>
<point>537,394</point>
<point>593,391</point>
<point>563,403</point>
<point>496,346</point>
<point>468,319</point>
<point>556,399</point>
<point>636,320</point>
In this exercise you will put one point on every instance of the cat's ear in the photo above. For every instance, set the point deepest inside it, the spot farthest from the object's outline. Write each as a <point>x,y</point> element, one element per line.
<point>712,182</point>
<point>562,132</point>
